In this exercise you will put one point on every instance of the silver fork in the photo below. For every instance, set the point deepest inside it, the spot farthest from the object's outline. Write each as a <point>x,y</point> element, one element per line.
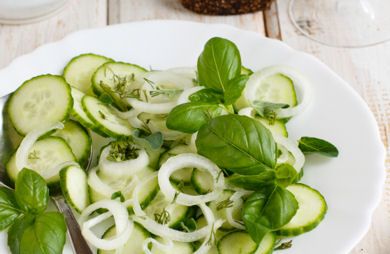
<point>78,242</point>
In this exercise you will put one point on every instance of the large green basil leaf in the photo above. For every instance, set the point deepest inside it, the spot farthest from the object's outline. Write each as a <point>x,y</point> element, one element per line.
<point>238,143</point>
<point>46,236</point>
<point>16,231</point>
<point>9,210</point>
<point>31,191</point>
<point>285,174</point>
<point>316,145</point>
<point>252,182</point>
<point>267,210</point>
<point>189,117</point>
<point>206,95</point>
<point>234,89</point>
<point>219,62</point>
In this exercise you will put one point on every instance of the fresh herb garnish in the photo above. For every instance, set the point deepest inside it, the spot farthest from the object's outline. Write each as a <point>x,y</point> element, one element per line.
<point>224,204</point>
<point>268,110</point>
<point>284,246</point>
<point>102,115</point>
<point>122,150</point>
<point>34,155</point>
<point>315,145</point>
<point>163,217</point>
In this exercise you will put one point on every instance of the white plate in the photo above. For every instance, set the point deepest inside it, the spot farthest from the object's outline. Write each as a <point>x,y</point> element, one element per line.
<point>351,183</point>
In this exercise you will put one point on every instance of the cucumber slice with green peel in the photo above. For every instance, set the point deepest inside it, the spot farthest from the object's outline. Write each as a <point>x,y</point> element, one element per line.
<point>78,72</point>
<point>177,248</point>
<point>219,206</point>
<point>105,119</point>
<point>266,245</point>
<point>133,246</point>
<point>121,77</point>
<point>78,139</point>
<point>237,242</point>
<point>44,155</point>
<point>183,175</point>
<point>311,211</point>
<point>160,206</point>
<point>202,181</point>
<point>73,181</point>
<point>40,102</point>
<point>278,127</point>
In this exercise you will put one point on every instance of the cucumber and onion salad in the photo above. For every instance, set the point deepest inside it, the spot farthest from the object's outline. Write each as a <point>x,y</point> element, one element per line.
<point>190,160</point>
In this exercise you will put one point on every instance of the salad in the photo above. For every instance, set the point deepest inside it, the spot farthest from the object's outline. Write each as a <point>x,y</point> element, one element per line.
<point>183,160</point>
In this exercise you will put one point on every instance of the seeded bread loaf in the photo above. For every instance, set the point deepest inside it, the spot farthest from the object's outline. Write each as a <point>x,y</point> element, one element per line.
<point>226,7</point>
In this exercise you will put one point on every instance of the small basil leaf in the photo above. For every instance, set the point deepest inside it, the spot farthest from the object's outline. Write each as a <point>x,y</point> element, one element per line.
<point>316,145</point>
<point>155,140</point>
<point>252,182</point>
<point>285,174</point>
<point>234,89</point>
<point>9,210</point>
<point>267,210</point>
<point>206,95</point>
<point>219,62</point>
<point>46,235</point>
<point>268,110</point>
<point>238,143</point>
<point>31,191</point>
<point>189,117</point>
<point>16,231</point>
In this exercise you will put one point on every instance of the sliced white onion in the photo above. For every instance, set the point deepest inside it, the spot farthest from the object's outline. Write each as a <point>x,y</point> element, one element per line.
<point>123,168</point>
<point>162,246</point>
<point>248,111</point>
<point>152,108</point>
<point>300,82</point>
<point>283,157</point>
<point>189,160</point>
<point>171,78</point>
<point>184,96</point>
<point>53,171</point>
<point>123,225</point>
<point>293,148</point>
<point>236,198</point>
<point>163,230</point>
<point>131,117</point>
<point>98,185</point>
<point>189,72</point>
<point>21,156</point>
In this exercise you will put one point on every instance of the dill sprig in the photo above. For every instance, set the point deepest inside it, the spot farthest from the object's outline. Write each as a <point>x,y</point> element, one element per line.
<point>162,218</point>
<point>34,155</point>
<point>284,246</point>
<point>122,150</point>
<point>224,204</point>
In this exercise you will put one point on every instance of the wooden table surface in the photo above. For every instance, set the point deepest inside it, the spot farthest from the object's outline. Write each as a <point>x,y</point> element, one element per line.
<point>366,69</point>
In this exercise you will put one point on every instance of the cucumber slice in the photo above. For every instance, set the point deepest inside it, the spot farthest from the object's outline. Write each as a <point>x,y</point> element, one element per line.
<point>183,175</point>
<point>45,154</point>
<point>133,246</point>
<point>219,209</point>
<point>113,74</point>
<point>73,181</point>
<point>277,128</point>
<point>105,119</point>
<point>177,248</point>
<point>40,102</point>
<point>311,211</point>
<point>267,244</point>
<point>78,72</point>
<point>237,242</point>
<point>177,213</point>
<point>202,181</point>
<point>78,139</point>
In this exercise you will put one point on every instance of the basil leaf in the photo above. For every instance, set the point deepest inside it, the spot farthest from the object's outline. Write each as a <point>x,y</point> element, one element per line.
<point>46,235</point>
<point>234,89</point>
<point>285,174</point>
<point>316,145</point>
<point>16,231</point>
<point>253,182</point>
<point>31,191</point>
<point>219,62</point>
<point>206,95</point>
<point>238,143</point>
<point>267,210</point>
<point>9,210</point>
<point>189,117</point>
<point>268,110</point>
